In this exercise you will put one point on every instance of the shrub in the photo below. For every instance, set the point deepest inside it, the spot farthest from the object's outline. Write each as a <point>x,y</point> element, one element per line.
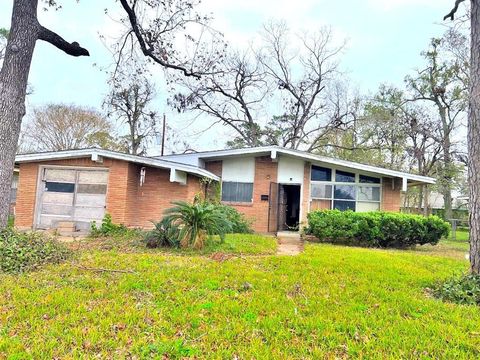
<point>20,252</point>
<point>464,289</point>
<point>107,228</point>
<point>165,234</point>
<point>198,220</point>
<point>376,229</point>
<point>240,224</point>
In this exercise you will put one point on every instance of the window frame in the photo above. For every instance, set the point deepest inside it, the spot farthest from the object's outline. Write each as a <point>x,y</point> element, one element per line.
<point>357,184</point>
<point>236,201</point>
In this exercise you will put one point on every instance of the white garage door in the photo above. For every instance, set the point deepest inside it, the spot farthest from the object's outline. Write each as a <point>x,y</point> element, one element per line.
<point>71,195</point>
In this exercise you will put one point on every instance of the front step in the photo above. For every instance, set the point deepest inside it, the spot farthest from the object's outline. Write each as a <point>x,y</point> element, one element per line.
<point>288,237</point>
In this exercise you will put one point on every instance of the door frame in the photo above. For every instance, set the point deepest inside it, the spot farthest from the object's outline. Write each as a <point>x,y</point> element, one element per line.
<point>300,186</point>
<point>39,190</point>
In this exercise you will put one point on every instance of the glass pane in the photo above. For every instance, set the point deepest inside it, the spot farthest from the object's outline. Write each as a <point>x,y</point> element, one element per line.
<point>237,192</point>
<point>369,193</point>
<point>367,206</point>
<point>52,186</point>
<point>343,176</point>
<point>321,174</point>
<point>321,191</point>
<point>369,179</point>
<point>92,189</point>
<point>320,205</point>
<point>344,205</point>
<point>345,192</point>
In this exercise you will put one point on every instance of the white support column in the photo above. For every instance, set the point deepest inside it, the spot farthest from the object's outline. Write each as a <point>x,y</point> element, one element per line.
<point>404,184</point>
<point>97,158</point>
<point>273,155</point>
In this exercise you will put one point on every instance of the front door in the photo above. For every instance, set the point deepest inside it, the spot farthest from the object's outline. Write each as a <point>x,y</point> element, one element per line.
<point>68,194</point>
<point>289,207</point>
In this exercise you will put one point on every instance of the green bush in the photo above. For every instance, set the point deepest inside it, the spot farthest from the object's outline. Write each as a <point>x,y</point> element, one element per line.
<point>240,224</point>
<point>107,228</point>
<point>165,234</point>
<point>376,229</point>
<point>20,252</point>
<point>464,289</point>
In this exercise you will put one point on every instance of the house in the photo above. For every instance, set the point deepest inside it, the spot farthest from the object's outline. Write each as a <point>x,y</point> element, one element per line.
<point>274,186</point>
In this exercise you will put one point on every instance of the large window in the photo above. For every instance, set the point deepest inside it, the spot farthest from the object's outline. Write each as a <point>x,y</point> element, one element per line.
<point>349,191</point>
<point>237,191</point>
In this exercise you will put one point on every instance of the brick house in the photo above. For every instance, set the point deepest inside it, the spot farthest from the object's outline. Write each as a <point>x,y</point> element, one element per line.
<point>274,186</point>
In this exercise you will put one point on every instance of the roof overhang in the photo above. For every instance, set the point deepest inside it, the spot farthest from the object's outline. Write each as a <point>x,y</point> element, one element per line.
<point>97,155</point>
<point>274,152</point>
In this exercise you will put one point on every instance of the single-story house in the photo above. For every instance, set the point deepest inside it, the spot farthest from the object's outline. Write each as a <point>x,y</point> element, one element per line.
<point>274,186</point>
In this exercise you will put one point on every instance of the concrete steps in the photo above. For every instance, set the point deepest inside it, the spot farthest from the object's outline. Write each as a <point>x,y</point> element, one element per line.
<point>289,243</point>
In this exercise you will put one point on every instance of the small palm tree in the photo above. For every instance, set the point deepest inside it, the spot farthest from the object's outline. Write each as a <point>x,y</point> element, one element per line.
<point>198,220</point>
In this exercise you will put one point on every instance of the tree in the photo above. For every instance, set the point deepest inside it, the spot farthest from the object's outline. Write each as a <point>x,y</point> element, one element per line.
<point>441,84</point>
<point>232,96</point>
<point>57,127</point>
<point>24,32</point>
<point>129,102</point>
<point>473,133</point>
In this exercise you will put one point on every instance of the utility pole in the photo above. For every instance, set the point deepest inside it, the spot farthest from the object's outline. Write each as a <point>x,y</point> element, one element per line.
<point>163,133</point>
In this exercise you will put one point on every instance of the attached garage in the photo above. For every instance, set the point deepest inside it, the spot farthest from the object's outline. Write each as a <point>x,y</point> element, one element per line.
<point>71,189</point>
<point>70,194</point>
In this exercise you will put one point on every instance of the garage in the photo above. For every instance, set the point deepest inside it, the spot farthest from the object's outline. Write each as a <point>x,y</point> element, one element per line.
<point>75,195</point>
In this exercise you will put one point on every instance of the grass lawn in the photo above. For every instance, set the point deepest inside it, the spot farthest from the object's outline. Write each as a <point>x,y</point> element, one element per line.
<point>329,302</point>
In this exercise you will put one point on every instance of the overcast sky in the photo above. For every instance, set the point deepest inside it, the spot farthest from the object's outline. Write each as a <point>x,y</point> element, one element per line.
<point>384,41</point>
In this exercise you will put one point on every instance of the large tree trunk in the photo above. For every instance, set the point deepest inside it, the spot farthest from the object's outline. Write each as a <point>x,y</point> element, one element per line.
<point>13,87</point>
<point>24,32</point>
<point>474,140</point>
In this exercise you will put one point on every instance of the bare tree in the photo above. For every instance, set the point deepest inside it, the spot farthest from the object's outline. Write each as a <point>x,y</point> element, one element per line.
<point>56,127</point>
<point>129,102</point>
<point>24,32</point>
<point>303,76</point>
<point>157,29</point>
<point>232,96</point>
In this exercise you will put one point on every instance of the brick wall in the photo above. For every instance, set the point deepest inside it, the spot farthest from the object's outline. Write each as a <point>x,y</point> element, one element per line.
<point>391,197</point>
<point>305,206</point>
<point>127,201</point>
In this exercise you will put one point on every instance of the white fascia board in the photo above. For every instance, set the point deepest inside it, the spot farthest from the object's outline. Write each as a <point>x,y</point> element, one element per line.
<point>96,153</point>
<point>317,158</point>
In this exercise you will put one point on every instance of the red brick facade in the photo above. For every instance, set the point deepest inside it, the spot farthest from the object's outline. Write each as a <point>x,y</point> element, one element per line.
<point>127,201</point>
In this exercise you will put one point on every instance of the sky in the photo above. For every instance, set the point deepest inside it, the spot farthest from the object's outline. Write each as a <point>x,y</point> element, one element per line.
<point>384,40</point>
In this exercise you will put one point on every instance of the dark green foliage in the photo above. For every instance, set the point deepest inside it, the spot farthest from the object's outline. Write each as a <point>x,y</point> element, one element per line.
<point>20,252</point>
<point>165,234</point>
<point>464,289</point>
<point>198,220</point>
<point>240,224</point>
<point>107,228</point>
<point>376,229</point>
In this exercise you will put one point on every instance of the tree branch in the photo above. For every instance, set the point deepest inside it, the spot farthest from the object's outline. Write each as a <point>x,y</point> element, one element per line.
<point>452,13</point>
<point>73,49</point>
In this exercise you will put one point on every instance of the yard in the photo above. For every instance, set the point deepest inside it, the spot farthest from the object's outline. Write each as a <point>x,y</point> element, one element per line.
<point>329,302</point>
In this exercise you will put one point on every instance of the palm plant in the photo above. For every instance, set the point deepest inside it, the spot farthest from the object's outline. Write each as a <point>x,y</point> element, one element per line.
<point>198,220</point>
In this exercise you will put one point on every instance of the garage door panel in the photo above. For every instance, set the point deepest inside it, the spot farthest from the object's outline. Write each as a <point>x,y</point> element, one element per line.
<point>60,175</point>
<point>93,200</point>
<point>92,189</point>
<point>93,177</point>
<point>52,209</point>
<point>72,195</point>
<point>85,213</point>
<point>58,198</point>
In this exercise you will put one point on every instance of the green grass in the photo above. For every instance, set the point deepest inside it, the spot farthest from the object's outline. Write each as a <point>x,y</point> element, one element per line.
<point>329,302</point>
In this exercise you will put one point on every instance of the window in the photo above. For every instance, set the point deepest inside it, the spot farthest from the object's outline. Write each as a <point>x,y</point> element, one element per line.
<point>345,192</point>
<point>52,186</point>
<point>342,176</point>
<point>369,180</point>
<point>342,190</point>
<point>321,174</point>
<point>237,192</point>
<point>321,191</point>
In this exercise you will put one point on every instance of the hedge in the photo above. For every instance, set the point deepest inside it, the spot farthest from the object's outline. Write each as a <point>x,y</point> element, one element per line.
<point>376,229</point>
